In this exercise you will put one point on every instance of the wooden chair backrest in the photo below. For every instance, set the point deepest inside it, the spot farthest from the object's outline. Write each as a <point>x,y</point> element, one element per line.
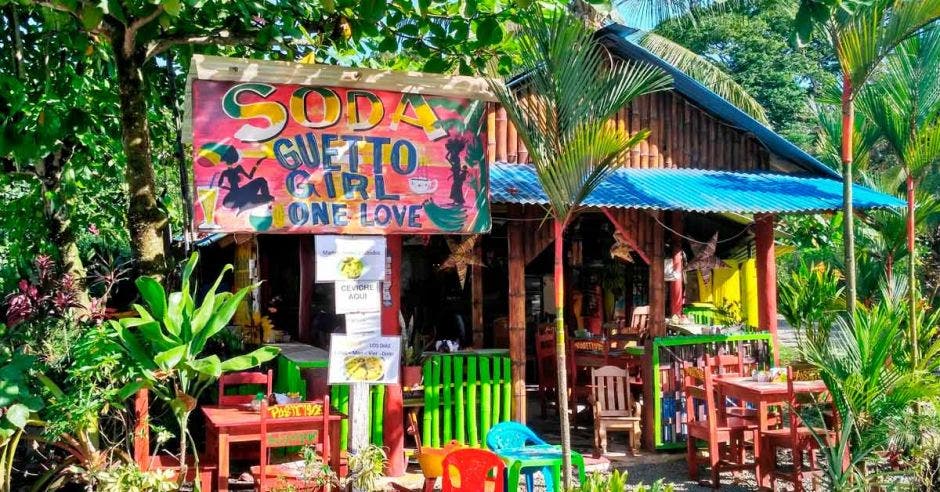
<point>253,378</point>
<point>308,426</point>
<point>612,392</point>
<point>726,364</point>
<point>545,358</point>
<point>639,320</point>
<point>700,385</point>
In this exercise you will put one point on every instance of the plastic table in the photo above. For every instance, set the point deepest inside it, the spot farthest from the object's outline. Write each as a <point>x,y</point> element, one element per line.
<point>542,457</point>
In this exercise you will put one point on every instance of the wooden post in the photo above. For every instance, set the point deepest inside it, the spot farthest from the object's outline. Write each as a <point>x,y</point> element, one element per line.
<point>517,318</point>
<point>476,289</point>
<point>766,277</point>
<point>657,285</point>
<point>393,433</point>
<point>305,259</point>
<point>657,324</point>
<point>676,288</point>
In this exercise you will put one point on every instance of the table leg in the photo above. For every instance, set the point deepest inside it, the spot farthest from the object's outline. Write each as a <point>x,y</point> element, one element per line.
<point>512,479</point>
<point>763,466</point>
<point>336,447</point>
<point>223,449</point>
<point>556,477</point>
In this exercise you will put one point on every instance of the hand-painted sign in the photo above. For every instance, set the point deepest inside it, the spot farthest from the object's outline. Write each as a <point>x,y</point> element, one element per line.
<point>310,159</point>
<point>357,297</point>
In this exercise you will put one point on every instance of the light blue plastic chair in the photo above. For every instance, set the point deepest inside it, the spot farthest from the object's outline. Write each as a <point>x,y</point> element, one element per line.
<point>526,453</point>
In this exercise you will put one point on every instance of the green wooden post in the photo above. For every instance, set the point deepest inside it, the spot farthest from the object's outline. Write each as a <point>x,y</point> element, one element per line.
<point>378,414</point>
<point>448,384</point>
<point>497,362</point>
<point>436,402</point>
<point>426,415</point>
<point>486,402</point>
<point>472,410</point>
<point>507,388</point>
<point>460,389</point>
<point>339,399</point>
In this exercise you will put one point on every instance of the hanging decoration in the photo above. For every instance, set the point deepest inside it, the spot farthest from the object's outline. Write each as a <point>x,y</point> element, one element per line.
<point>621,249</point>
<point>462,256</point>
<point>704,259</point>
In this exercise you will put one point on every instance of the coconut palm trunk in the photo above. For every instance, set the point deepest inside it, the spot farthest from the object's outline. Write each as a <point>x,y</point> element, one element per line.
<point>561,108</point>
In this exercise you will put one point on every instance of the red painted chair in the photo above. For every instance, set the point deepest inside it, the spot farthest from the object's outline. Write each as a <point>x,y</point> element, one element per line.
<point>146,462</point>
<point>284,426</point>
<point>547,369</point>
<point>247,378</point>
<point>473,470</point>
<point>722,434</point>
<point>797,436</point>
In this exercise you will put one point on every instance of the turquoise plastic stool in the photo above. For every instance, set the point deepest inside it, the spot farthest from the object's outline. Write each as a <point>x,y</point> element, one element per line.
<point>525,453</point>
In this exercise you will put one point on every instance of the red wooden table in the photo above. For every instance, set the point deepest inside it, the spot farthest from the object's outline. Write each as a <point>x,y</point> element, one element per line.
<point>225,425</point>
<point>763,395</point>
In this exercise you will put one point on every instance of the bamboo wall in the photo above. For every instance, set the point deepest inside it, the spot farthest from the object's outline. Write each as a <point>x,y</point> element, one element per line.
<point>681,136</point>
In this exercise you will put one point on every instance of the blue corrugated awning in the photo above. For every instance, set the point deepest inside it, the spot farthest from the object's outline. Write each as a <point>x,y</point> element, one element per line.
<point>695,190</point>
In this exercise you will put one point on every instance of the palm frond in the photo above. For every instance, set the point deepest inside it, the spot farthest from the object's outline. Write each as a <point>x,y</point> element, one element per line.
<point>829,138</point>
<point>646,13</point>
<point>705,72</point>
<point>562,110</point>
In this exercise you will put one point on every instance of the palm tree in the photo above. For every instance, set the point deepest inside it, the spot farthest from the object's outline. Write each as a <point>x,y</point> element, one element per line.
<point>903,102</point>
<point>863,33</point>
<point>561,108</point>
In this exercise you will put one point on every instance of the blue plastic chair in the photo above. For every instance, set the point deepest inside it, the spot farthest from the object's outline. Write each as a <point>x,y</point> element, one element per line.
<point>528,454</point>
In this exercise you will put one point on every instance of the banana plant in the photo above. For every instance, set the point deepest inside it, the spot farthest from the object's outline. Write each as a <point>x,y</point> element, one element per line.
<point>167,338</point>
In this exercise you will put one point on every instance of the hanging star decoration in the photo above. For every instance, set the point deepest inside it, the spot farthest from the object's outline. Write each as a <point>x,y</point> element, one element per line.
<point>704,259</point>
<point>621,249</point>
<point>462,256</point>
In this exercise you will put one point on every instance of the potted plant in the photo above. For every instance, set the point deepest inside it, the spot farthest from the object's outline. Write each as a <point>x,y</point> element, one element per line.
<point>412,352</point>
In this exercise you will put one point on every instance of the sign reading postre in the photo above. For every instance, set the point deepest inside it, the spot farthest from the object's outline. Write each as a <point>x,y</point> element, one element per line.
<point>288,158</point>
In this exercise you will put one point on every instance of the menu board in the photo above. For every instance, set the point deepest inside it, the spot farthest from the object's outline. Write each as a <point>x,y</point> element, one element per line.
<point>364,359</point>
<point>350,258</point>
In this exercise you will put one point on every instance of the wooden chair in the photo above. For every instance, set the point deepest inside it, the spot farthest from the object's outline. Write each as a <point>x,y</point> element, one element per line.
<point>473,470</point>
<point>639,321</point>
<point>614,407</point>
<point>797,436</point>
<point>714,426</point>
<point>146,462</point>
<point>546,367</point>
<point>247,378</point>
<point>274,435</point>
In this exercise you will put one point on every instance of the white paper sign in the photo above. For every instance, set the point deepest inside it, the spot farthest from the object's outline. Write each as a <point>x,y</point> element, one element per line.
<point>346,258</point>
<point>363,359</point>
<point>357,297</point>
<point>364,324</point>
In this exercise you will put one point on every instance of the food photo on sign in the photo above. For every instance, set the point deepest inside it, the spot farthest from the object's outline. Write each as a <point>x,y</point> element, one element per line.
<point>291,158</point>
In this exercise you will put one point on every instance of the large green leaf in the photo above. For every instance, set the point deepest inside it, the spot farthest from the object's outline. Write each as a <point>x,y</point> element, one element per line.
<point>170,358</point>
<point>253,359</point>
<point>207,309</point>
<point>154,295</point>
<point>153,332</point>
<point>18,415</point>
<point>220,319</point>
<point>210,367</point>
<point>133,346</point>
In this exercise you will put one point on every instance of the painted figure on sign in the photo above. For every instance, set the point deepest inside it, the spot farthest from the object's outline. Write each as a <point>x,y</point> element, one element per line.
<point>240,196</point>
<point>458,173</point>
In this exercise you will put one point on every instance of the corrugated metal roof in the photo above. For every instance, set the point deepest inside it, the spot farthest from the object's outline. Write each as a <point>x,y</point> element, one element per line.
<point>695,190</point>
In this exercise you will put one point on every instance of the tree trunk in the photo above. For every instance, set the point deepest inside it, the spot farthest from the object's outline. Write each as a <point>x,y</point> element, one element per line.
<point>58,216</point>
<point>848,219</point>
<point>560,351</point>
<point>911,272</point>
<point>145,220</point>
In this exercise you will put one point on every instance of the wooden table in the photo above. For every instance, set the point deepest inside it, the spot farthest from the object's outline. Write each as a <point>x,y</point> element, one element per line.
<point>763,395</point>
<point>225,425</point>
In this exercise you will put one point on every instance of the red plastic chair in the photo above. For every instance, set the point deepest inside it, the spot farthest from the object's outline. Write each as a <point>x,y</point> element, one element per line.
<point>473,470</point>
<point>246,378</point>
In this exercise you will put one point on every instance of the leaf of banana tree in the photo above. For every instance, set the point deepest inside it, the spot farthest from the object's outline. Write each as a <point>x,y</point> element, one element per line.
<point>253,359</point>
<point>210,367</point>
<point>174,313</point>
<point>153,332</point>
<point>705,72</point>
<point>205,311</point>
<point>133,346</point>
<point>153,295</point>
<point>220,318</point>
<point>170,358</point>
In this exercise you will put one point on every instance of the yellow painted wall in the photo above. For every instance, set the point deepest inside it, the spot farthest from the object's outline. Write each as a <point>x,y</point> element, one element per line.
<point>735,283</point>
